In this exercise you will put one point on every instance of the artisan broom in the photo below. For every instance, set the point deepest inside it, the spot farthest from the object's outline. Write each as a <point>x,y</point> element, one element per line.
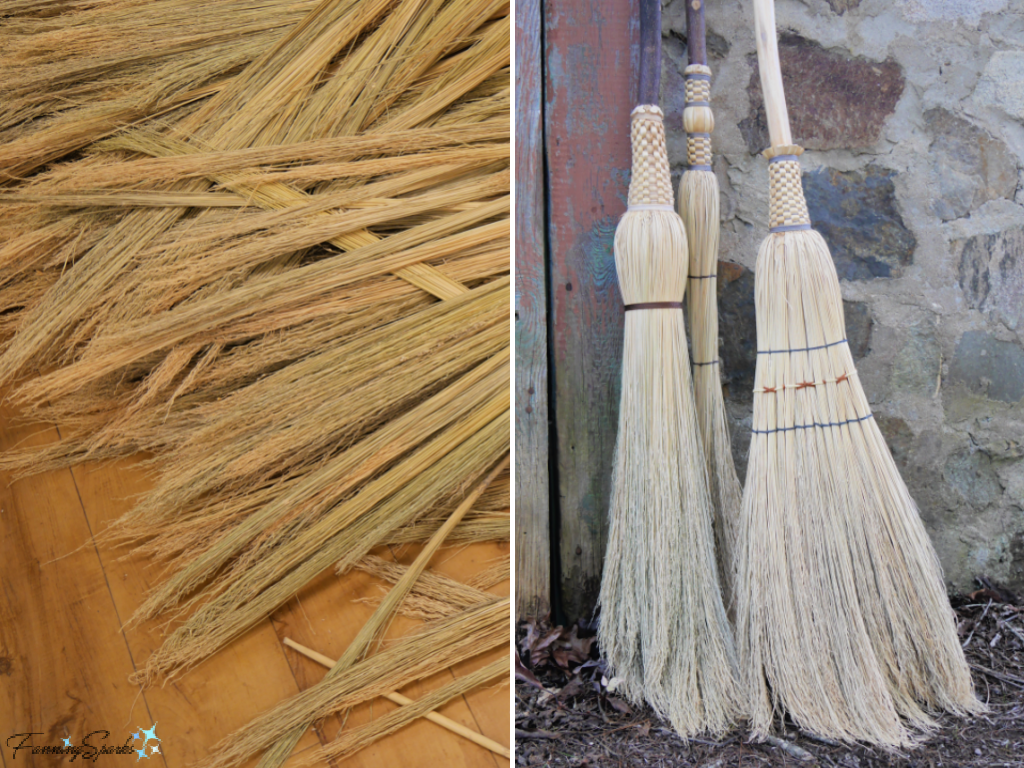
<point>664,629</point>
<point>842,617</point>
<point>698,207</point>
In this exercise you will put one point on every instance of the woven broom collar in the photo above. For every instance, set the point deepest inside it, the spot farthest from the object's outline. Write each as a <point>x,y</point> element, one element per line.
<point>698,149</point>
<point>697,115</point>
<point>651,182</point>
<point>786,204</point>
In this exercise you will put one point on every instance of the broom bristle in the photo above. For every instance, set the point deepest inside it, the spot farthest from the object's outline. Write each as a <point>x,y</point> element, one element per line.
<point>664,629</point>
<point>699,204</point>
<point>843,618</point>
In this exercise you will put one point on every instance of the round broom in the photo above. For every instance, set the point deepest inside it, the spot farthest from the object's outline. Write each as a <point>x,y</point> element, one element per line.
<point>698,207</point>
<point>664,629</point>
<point>842,616</point>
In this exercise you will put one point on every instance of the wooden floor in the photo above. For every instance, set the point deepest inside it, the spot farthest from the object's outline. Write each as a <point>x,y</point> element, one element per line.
<point>65,662</point>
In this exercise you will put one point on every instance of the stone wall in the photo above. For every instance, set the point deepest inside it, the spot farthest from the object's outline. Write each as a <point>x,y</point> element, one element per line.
<point>912,112</point>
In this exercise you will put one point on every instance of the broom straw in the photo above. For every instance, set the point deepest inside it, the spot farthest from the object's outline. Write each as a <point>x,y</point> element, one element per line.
<point>842,616</point>
<point>381,618</point>
<point>664,629</point>
<point>699,207</point>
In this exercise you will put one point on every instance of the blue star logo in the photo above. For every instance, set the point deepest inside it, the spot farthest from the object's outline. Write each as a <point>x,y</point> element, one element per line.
<point>150,735</point>
<point>67,742</point>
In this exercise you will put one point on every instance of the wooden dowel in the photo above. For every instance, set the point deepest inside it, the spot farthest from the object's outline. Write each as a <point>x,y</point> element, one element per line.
<point>398,698</point>
<point>771,73</point>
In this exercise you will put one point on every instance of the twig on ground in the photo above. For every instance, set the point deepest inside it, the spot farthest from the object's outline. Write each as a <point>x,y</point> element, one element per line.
<point>976,623</point>
<point>791,749</point>
<point>821,739</point>
<point>999,675</point>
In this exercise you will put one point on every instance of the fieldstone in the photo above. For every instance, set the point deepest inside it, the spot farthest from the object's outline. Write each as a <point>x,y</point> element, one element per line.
<point>839,7</point>
<point>1001,85</point>
<point>738,329</point>
<point>856,213</point>
<point>991,274</point>
<point>953,11</point>
<point>1002,446</point>
<point>858,327</point>
<point>836,101</point>
<point>971,472</point>
<point>1017,561</point>
<point>673,96</point>
<point>989,367</point>
<point>898,436</point>
<point>972,167</point>
<point>737,325</point>
<point>718,46</point>
<point>916,367</point>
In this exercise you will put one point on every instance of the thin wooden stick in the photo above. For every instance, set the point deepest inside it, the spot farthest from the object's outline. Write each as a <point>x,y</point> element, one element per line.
<point>398,698</point>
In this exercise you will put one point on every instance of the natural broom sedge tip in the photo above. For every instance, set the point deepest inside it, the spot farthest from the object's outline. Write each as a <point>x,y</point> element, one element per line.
<point>663,626</point>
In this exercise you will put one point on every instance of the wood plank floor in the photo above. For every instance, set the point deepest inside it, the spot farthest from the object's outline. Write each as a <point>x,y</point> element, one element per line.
<point>65,661</point>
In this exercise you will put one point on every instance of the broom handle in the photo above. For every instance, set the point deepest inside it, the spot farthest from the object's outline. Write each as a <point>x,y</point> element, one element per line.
<point>696,35</point>
<point>650,52</point>
<point>771,74</point>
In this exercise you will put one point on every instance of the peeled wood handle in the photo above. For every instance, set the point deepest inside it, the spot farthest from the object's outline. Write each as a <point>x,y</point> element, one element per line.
<point>771,74</point>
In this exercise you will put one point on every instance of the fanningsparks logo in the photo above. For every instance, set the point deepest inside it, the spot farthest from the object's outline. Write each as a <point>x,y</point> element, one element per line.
<point>90,748</point>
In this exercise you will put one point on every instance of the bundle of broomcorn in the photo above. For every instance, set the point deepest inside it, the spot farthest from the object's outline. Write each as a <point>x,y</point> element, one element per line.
<point>267,242</point>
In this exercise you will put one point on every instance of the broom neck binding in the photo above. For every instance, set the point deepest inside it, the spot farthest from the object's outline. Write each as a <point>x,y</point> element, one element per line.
<point>696,35</point>
<point>650,183</point>
<point>649,91</point>
<point>787,207</point>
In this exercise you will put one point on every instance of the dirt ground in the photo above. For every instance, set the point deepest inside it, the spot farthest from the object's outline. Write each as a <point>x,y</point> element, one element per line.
<point>573,720</point>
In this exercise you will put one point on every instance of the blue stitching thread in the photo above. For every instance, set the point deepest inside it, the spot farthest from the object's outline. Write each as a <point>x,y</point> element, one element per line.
<point>809,426</point>
<point>800,349</point>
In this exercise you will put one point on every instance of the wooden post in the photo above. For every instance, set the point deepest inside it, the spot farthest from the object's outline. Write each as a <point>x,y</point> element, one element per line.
<point>591,57</point>
<point>533,521</point>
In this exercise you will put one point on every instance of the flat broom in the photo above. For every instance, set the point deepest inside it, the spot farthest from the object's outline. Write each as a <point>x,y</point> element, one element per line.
<point>842,616</point>
<point>663,630</point>
<point>699,210</point>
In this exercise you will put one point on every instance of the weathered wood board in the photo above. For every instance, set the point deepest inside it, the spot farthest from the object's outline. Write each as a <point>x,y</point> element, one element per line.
<point>533,542</point>
<point>590,59</point>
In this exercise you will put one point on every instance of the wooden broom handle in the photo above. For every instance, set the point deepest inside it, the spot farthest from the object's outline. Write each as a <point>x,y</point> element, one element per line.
<point>696,34</point>
<point>771,74</point>
<point>650,52</point>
